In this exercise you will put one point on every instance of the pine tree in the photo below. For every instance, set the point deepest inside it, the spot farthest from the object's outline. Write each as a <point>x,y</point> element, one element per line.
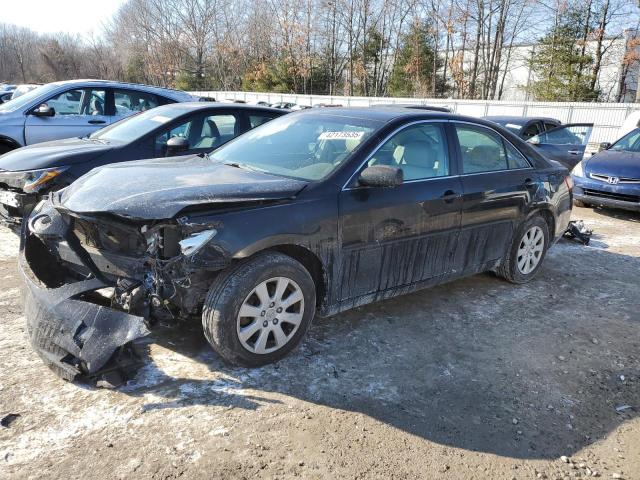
<point>560,64</point>
<point>412,74</point>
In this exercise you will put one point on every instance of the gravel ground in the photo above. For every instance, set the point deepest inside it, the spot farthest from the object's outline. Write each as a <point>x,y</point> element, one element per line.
<point>475,379</point>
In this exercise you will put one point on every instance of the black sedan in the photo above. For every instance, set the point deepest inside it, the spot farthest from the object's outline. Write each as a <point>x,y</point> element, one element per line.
<point>315,212</point>
<point>611,178</point>
<point>29,173</point>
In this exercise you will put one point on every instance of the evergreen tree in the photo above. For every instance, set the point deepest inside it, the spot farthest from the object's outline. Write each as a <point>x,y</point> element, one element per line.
<point>561,69</point>
<point>413,71</point>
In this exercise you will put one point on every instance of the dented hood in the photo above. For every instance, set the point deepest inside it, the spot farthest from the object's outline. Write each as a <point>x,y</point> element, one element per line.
<point>161,188</point>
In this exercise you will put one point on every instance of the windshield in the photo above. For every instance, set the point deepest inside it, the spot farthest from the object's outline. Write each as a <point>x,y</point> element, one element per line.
<point>307,147</point>
<point>24,100</point>
<point>132,128</point>
<point>629,143</point>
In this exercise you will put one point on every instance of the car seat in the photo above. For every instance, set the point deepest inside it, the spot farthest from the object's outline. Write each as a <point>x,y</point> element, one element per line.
<point>210,135</point>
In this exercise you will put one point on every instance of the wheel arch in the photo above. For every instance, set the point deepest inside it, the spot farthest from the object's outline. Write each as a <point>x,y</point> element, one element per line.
<point>548,217</point>
<point>309,260</point>
<point>9,142</point>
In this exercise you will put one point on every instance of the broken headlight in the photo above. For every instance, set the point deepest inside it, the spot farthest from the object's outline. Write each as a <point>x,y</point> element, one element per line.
<point>35,180</point>
<point>194,242</point>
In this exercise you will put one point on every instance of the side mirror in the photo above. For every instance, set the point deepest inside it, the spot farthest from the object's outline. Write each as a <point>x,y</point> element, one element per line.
<point>535,140</point>
<point>176,145</point>
<point>381,176</point>
<point>605,146</point>
<point>44,110</point>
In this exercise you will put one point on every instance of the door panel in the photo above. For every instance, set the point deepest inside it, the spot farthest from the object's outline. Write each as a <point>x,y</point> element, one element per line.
<point>497,185</point>
<point>565,144</point>
<point>393,237</point>
<point>79,112</point>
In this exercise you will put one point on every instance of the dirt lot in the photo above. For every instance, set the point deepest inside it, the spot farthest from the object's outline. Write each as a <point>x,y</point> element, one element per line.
<point>475,379</point>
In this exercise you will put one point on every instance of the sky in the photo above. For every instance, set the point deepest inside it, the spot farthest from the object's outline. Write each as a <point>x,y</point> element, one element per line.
<point>72,16</point>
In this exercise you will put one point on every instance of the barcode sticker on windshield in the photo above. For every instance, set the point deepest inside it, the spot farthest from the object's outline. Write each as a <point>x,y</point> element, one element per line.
<point>160,119</point>
<point>340,135</point>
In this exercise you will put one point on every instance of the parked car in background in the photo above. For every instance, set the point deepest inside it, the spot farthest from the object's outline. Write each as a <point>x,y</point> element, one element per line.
<point>24,88</point>
<point>566,144</point>
<point>5,96</point>
<point>285,105</point>
<point>316,211</point>
<point>611,178</point>
<point>525,127</point>
<point>29,173</point>
<point>563,143</point>
<point>75,108</point>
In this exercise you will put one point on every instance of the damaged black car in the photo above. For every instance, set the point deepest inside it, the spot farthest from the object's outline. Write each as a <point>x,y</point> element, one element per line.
<point>312,213</point>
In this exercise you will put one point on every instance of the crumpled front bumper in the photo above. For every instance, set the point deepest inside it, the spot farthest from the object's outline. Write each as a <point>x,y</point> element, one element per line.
<point>73,336</point>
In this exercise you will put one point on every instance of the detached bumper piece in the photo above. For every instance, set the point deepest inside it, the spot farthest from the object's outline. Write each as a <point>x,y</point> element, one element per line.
<point>577,231</point>
<point>68,326</point>
<point>75,337</point>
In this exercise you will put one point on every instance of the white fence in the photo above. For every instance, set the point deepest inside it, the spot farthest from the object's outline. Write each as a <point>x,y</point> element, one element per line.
<point>606,117</point>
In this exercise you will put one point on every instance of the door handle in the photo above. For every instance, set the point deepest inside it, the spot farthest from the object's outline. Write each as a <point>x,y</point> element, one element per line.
<point>97,122</point>
<point>574,152</point>
<point>449,196</point>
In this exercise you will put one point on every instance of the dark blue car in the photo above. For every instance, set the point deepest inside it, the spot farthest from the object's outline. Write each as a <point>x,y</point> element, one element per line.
<point>611,178</point>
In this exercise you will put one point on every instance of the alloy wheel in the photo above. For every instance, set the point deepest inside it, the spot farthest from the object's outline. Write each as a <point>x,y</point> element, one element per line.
<point>270,315</point>
<point>530,250</point>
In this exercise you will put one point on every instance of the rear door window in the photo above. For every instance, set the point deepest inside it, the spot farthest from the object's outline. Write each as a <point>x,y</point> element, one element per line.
<point>128,102</point>
<point>483,150</point>
<point>255,120</point>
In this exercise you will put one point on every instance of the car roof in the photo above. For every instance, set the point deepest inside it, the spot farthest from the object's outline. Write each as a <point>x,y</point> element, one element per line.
<point>387,114</point>
<point>168,92</point>
<point>519,120</point>
<point>193,106</point>
<point>416,106</point>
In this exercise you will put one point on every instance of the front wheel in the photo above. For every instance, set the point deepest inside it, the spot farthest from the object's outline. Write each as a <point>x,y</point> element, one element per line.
<point>259,310</point>
<point>527,251</point>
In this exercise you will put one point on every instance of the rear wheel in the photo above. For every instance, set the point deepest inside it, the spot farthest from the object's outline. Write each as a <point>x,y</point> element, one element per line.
<point>527,251</point>
<point>258,311</point>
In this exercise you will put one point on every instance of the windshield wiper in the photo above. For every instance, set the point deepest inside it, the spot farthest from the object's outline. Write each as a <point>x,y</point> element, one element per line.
<point>244,167</point>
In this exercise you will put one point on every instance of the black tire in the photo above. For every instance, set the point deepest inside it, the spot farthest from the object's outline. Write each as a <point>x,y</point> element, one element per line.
<point>508,268</point>
<point>580,203</point>
<point>229,291</point>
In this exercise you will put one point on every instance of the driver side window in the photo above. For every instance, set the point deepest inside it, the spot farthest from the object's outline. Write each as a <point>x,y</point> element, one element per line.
<point>85,101</point>
<point>161,140</point>
<point>420,151</point>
